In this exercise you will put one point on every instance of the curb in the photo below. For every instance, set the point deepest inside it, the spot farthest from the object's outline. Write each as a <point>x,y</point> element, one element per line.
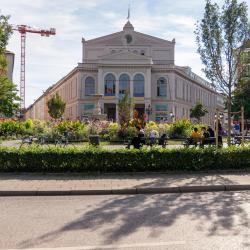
<point>126,191</point>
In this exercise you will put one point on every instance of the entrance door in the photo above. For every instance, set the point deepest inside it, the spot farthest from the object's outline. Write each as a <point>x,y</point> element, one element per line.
<point>110,110</point>
<point>140,108</point>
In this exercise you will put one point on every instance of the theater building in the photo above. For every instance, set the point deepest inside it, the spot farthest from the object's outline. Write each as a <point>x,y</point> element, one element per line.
<point>137,63</point>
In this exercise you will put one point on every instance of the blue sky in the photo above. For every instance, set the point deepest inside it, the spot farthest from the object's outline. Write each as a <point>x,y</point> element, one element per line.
<point>49,59</point>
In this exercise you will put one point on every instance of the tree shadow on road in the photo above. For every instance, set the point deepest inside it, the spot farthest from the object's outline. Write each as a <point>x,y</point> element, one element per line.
<point>220,214</point>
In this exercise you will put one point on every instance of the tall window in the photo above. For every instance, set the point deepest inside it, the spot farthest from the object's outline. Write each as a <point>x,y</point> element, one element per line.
<point>139,83</point>
<point>89,86</point>
<point>123,84</point>
<point>162,87</point>
<point>109,82</point>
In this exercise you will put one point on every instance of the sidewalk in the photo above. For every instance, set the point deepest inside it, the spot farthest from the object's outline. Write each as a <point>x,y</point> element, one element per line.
<point>79,184</point>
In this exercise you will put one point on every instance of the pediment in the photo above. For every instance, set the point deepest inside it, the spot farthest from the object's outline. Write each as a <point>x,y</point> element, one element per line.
<point>145,39</point>
<point>125,57</point>
<point>139,39</point>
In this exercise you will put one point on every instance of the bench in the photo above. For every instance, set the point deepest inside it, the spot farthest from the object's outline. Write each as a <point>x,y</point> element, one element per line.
<point>237,140</point>
<point>27,140</point>
<point>138,142</point>
<point>205,141</point>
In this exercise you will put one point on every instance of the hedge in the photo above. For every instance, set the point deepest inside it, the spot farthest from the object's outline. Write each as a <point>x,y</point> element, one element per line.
<point>55,159</point>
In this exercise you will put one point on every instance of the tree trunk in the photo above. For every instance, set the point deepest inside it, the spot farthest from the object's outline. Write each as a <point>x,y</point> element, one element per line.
<point>229,109</point>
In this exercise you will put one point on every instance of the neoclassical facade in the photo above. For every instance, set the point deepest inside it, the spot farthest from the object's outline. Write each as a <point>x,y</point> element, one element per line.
<point>133,62</point>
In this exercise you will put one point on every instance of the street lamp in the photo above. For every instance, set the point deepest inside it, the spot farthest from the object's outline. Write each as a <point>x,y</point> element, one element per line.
<point>172,116</point>
<point>149,111</point>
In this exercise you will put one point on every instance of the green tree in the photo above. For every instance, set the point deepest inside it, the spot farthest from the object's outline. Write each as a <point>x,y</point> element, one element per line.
<point>125,106</point>
<point>219,36</point>
<point>8,90</point>
<point>56,106</point>
<point>241,94</point>
<point>198,111</point>
<point>241,97</point>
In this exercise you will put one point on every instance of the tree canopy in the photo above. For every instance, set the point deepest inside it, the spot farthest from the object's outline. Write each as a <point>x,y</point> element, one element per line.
<point>220,35</point>
<point>125,107</point>
<point>56,106</point>
<point>8,91</point>
<point>198,111</point>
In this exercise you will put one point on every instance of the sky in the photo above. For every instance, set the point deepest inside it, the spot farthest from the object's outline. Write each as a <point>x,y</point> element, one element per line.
<point>48,59</point>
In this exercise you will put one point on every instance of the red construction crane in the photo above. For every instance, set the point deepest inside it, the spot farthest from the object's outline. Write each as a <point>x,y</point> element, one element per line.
<point>23,29</point>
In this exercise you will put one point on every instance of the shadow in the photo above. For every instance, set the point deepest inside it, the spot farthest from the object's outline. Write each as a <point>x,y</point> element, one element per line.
<point>217,214</point>
<point>150,179</point>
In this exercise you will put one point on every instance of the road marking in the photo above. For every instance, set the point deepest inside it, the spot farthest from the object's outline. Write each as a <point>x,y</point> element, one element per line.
<point>115,246</point>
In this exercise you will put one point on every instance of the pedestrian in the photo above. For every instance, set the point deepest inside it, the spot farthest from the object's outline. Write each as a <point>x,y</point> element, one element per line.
<point>220,134</point>
<point>237,129</point>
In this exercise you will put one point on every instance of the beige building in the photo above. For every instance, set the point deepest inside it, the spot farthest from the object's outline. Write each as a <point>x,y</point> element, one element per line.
<point>138,63</point>
<point>10,56</point>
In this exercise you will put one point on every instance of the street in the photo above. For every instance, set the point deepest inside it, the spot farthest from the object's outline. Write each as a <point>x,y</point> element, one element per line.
<point>169,221</point>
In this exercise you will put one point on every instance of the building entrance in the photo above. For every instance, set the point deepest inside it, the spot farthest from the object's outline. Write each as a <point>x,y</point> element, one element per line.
<point>140,108</point>
<point>110,110</point>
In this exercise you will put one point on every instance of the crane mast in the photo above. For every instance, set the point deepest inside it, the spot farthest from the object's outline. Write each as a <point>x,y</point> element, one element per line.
<point>23,29</point>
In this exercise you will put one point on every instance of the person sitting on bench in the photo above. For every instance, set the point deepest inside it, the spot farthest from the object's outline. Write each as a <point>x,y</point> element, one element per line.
<point>163,140</point>
<point>195,137</point>
<point>205,135</point>
<point>211,132</point>
<point>137,141</point>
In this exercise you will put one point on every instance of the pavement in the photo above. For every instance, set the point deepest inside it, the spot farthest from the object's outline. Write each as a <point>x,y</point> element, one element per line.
<point>33,184</point>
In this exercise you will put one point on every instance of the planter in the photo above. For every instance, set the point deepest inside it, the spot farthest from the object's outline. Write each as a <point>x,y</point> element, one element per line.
<point>94,140</point>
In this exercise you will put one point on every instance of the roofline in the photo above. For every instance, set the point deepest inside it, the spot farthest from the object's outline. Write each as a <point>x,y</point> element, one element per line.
<point>155,37</point>
<point>54,86</point>
<point>103,37</point>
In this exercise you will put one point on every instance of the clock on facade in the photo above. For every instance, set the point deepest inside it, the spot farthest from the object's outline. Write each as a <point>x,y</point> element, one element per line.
<point>128,38</point>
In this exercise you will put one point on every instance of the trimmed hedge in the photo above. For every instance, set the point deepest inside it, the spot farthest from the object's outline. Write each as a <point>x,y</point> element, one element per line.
<point>54,159</point>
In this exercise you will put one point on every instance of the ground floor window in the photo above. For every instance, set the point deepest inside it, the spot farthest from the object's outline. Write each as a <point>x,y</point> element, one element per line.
<point>110,110</point>
<point>161,118</point>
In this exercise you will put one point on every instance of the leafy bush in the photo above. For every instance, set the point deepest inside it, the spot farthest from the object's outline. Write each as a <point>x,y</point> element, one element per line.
<point>77,130</point>
<point>9,128</point>
<point>56,159</point>
<point>180,129</point>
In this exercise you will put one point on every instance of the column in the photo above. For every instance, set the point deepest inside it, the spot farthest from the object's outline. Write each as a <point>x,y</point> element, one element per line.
<point>100,83</point>
<point>148,91</point>
<point>148,84</point>
<point>131,86</point>
<point>116,113</point>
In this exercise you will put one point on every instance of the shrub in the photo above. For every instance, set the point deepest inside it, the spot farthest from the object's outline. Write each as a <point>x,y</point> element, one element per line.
<point>56,159</point>
<point>180,129</point>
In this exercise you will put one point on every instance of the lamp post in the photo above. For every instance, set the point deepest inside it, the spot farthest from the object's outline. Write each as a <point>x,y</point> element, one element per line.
<point>218,117</point>
<point>217,127</point>
<point>172,116</point>
<point>149,111</point>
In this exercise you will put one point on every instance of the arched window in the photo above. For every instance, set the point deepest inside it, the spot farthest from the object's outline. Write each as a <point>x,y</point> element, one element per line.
<point>109,82</point>
<point>162,87</point>
<point>139,83</point>
<point>123,84</point>
<point>89,86</point>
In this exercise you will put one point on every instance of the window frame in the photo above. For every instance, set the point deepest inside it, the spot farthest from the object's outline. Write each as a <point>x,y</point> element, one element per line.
<point>85,85</point>
<point>137,82</point>
<point>160,86</point>
<point>108,82</point>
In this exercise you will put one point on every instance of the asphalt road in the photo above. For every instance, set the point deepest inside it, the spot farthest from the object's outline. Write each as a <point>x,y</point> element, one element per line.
<point>172,221</point>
